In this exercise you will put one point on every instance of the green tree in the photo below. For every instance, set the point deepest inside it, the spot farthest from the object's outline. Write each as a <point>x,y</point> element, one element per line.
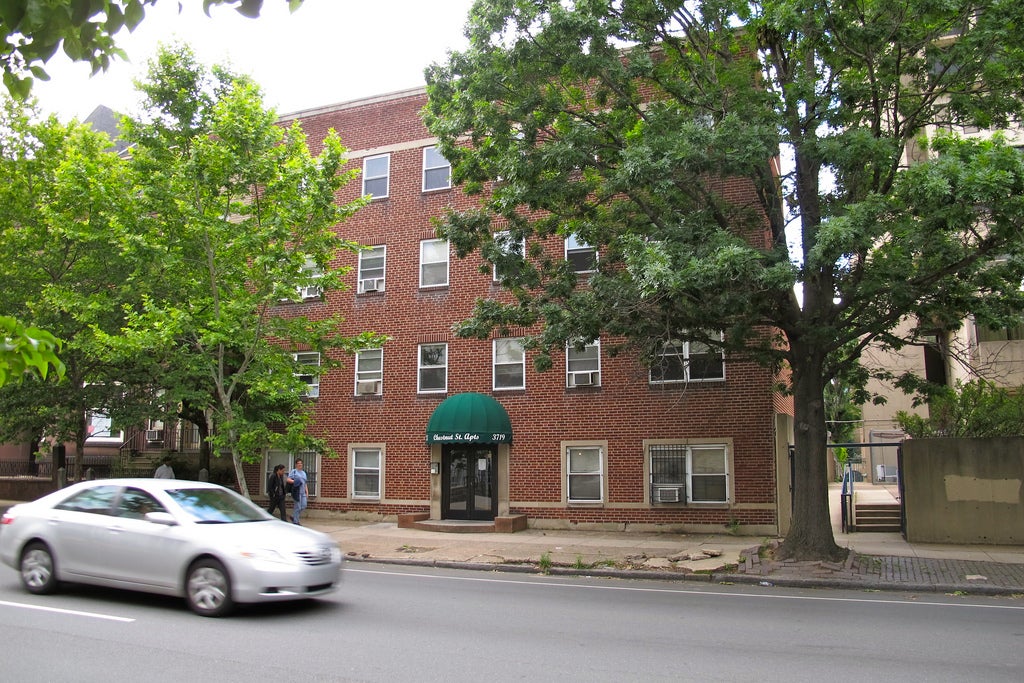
<point>619,124</point>
<point>63,201</point>
<point>236,218</point>
<point>976,409</point>
<point>33,31</point>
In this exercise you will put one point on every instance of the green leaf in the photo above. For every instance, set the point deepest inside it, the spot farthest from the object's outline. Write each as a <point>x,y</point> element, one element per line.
<point>250,8</point>
<point>134,13</point>
<point>81,10</point>
<point>115,19</point>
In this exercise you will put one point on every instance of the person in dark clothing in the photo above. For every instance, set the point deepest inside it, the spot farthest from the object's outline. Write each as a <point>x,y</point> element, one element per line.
<point>275,491</point>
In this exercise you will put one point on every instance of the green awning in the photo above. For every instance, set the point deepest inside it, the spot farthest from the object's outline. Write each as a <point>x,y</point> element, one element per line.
<point>469,418</point>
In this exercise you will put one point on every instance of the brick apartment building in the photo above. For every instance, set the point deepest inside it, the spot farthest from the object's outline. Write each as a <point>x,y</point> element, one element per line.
<point>439,427</point>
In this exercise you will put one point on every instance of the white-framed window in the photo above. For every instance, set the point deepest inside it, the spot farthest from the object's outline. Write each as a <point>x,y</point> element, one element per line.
<point>369,372</point>
<point>310,465</point>
<point>311,274</point>
<point>584,474</point>
<point>691,361</point>
<point>437,171</point>
<point>376,175</point>
<point>583,366</point>
<point>509,364</point>
<point>433,368</point>
<point>508,247</point>
<point>433,263</point>
<point>690,473</point>
<point>367,468</point>
<point>100,428</point>
<point>580,255</point>
<point>371,269</point>
<point>312,378</point>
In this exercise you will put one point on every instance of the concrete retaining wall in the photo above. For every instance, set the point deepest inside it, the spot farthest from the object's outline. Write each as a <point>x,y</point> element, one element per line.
<point>968,491</point>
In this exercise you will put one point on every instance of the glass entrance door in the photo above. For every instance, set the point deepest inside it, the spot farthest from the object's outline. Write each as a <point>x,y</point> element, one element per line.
<point>469,487</point>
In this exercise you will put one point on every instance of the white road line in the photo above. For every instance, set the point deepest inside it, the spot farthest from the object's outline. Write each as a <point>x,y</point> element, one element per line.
<point>72,612</point>
<point>765,596</point>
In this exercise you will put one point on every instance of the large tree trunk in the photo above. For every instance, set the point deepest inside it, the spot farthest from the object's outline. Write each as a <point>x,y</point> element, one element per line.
<point>810,536</point>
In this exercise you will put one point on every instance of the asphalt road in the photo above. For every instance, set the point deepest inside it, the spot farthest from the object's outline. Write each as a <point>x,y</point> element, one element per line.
<point>392,623</point>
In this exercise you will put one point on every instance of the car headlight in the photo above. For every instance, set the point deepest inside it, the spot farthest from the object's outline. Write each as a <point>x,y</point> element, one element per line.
<point>266,555</point>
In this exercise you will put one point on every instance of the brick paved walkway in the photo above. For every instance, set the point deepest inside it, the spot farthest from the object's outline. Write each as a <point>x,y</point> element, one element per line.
<point>889,572</point>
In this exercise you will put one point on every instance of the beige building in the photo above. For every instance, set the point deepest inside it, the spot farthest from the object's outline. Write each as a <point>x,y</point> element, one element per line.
<point>972,352</point>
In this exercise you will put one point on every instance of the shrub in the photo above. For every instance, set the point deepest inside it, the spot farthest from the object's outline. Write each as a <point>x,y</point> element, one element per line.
<point>976,409</point>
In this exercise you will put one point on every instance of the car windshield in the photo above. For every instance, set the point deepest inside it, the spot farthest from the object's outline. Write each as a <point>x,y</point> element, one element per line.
<point>217,506</point>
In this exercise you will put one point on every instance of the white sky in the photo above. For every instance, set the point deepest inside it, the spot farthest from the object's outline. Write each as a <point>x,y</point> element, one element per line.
<point>329,51</point>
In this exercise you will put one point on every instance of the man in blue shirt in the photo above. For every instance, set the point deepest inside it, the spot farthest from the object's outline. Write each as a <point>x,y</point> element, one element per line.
<point>300,490</point>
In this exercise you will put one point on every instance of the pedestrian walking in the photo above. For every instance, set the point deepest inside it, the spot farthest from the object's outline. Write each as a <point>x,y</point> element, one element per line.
<point>275,491</point>
<point>300,490</point>
<point>164,471</point>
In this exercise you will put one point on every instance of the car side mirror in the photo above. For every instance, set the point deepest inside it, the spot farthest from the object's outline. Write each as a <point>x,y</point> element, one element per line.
<point>165,518</point>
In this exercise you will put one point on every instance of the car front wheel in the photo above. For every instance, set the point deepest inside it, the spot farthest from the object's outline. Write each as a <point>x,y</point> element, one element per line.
<point>208,588</point>
<point>38,569</point>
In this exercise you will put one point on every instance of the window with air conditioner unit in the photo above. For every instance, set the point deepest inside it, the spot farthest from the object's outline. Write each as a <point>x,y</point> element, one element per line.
<point>582,379</point>
<point>689,473</point>
<point>154,432</point>
<point>371,285</point>
<point>369,372</point>
<point>368,387</point>
<point>668,494</point>
<point>583,364</point>
<point>371,269</point>
<point>311,290</point>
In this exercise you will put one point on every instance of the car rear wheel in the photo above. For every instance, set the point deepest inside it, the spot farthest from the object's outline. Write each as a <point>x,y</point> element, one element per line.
<point>208,588</point>
<point>38,569</point>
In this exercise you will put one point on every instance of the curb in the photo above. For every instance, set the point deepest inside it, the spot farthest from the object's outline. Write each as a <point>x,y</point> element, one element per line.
<point>767,581</point>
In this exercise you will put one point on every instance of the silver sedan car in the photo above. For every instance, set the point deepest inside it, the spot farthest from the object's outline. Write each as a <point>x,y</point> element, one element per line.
<point>192,539</point>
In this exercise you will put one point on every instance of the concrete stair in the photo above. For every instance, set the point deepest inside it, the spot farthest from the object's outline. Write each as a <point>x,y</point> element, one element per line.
<point>878,517</point>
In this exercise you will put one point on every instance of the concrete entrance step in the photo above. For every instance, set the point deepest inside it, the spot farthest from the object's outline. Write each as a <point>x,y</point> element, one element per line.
<point>503,524</point>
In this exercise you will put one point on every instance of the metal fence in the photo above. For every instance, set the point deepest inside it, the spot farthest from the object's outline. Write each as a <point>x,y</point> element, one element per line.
<point>99,468</point>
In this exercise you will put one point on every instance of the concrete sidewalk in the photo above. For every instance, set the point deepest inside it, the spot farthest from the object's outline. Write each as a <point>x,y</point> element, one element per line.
<point>878,561</point>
